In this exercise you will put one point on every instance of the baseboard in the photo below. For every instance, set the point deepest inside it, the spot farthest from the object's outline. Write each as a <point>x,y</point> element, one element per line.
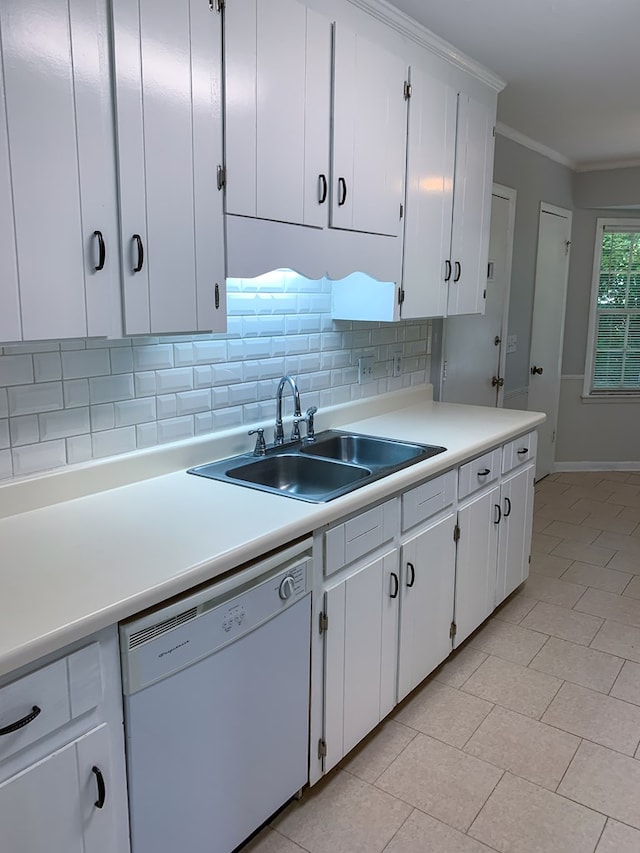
<point>565,467</point>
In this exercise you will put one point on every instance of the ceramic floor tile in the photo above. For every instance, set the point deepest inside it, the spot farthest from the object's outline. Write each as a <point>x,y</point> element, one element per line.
<point>597,577</point>
<point>372,757</point>
<point>508,641</point>
<point>530,749</point>
<point>540,523</point>
<point>584,553</point>
<point>425,834</point>
<point>562,513</point>
<point>345,816</point>
<point>609,606</point>
<point>548,565</point>
<point>523,690</point>
<point>575,532</point>
<point>633,589</point>
<point>543,544</point>
<point>618,838</point>
<point>599,492</point>
<point>623,493</point>
<point>596,717</point>
<point>552,591</point>
<point>618,639</point>
<point>616,476</point>
<point>627,684</point>
<point>597,507</point>
<point>444,713</point>
<point>611,523</point>
<point>459,666</point>
<point>515,609</point>
<point>577,664</point>
<point>606,781</point>
<point>619,542</point>
<point>270,841</point>
<point>523,817</point>
<point>624,562</point>
<point>441,780</point>
<point>563,623</point>
<point>580,478</point>
<point>547,487</point>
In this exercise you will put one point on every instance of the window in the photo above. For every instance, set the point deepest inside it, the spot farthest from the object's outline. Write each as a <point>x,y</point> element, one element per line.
<point>613,357</point>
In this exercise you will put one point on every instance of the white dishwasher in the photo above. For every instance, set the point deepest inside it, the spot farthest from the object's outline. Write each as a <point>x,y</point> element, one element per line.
<point>216,691</point>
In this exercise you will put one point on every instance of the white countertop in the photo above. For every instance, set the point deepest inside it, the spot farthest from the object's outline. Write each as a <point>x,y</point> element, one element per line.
<point>75,566</point>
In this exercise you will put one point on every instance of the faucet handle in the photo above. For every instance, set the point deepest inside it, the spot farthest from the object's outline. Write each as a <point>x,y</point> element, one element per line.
<point>261,447</point>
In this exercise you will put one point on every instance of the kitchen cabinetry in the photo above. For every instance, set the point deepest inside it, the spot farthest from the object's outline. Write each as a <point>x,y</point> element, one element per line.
<point>167,60</point>
<point>62,781</point>
<point>59,244</point>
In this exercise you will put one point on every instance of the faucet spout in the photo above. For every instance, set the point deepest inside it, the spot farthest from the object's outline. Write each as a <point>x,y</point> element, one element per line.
<point>279,434</point>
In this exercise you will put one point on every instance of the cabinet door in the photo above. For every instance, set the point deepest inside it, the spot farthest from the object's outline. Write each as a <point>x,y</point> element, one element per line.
<point>50,807</point>
<point>360,654</point>
<point>476,560</point>
<point>427,575</point>
<point>55,57</point>
<point>429,203</point>
<point>277,111</point>
<point>514,544</point>
<point>168,74</point>
<point>471,206</point>
<point>369,136</point>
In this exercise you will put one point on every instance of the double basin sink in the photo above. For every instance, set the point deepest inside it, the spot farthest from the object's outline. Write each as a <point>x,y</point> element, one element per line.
<point>332,465</point>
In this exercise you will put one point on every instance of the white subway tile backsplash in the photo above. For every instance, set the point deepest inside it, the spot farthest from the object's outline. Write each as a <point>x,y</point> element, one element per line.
<point>78,448</point>
<point>145,383</point>
<point>190,402</point>
<point>172,381</point>
<point>75,392</point>
<point>206,352</point>
<point>157,357</point>
<point>227,418</point>
<point>167,406</point>
<point>47,366</point>
<point>39,457</point>
<point>72,344</point>
<point>84,363</point>
<point>121,359</point>
<point>202,376</point>
<point>102,417</point>
<point>29,399</point>
<point>16,369</point>
<point>4,403</point>
<point>6,464</point>
<point>4,434</point>
<point>203,422</point>
<point>108,389</point>
<point>31,347</point>
<point>226,374</point>
<point>147,434</point>
<point>113,441</point>
<point>62,424</point>
<point>129,412</point>
<point>219,397</point>
<point>175,429</point>
<point>245,392</point>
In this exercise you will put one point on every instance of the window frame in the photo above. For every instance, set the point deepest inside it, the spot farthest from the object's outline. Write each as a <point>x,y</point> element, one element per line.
<point>588,393</point>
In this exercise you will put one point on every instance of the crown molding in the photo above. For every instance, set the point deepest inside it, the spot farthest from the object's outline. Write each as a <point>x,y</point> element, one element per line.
<point>538,147</point>
<point>419,34</point>
<point>606,165</point>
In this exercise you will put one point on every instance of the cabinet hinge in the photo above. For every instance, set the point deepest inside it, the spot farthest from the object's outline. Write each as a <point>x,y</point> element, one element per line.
<point>407,90</point>
<point>322,748</point>
<point>217,5</point>
<point>222,177</point>
<point>323,623</point>
<point>401,211</point>
<point>400,296</point>
<point>456,533</point>
<point>453,630</point>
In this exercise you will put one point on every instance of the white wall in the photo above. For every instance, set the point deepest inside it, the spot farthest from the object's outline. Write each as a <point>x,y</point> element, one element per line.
<point>71,401</point>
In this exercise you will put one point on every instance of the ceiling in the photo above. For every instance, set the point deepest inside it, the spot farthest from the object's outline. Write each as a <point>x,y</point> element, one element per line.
<point>572,68</point>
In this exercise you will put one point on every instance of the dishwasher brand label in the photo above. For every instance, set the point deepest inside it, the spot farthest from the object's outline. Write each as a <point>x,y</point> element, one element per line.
<point>173,649</point>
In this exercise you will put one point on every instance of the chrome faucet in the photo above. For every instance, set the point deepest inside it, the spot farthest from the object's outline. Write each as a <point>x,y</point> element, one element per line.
<point>295,433</point>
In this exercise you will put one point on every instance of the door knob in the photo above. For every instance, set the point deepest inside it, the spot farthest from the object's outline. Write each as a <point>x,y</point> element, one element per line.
<point>537,370</point>
<point>499,381</point>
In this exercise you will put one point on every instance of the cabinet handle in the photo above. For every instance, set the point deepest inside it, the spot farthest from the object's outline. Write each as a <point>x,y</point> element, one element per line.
<point>458,272</point>
<point>342,191</point>
<point>412,569</point>
<point>507,508</point>
<point>137,239</point>
<point>102,790</point>
<point>20,724</point>
<point>216,296</point>
<point>447,266</point>
<point>484,473</point>
<point>523,451</point>
<point>498,514</point>
<point>323,189</point>
<point>395,585</point>
<point>102,252</point>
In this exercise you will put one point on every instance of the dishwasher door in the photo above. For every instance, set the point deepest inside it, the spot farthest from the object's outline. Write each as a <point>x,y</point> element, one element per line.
<point>216,747</point>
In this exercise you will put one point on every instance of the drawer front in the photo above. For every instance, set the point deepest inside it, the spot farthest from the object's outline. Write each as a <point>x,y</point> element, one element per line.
<point>428,499</point>
<point>519,451</point>
<point>479,472</point>
<point>358,536</point>
<point>62,691</point>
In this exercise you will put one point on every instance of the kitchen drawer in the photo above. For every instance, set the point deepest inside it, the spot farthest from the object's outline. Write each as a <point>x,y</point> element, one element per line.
<point>358,536</point>
<point>62,691</point>
<point>479,472</point>
<point>519,451</point>
<point>427,499</point>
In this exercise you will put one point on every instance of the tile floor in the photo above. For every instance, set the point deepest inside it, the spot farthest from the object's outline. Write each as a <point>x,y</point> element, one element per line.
<point>527,739</point>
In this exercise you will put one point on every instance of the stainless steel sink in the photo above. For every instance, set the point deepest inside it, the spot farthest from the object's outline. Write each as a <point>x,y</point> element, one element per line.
<point>336,463</point>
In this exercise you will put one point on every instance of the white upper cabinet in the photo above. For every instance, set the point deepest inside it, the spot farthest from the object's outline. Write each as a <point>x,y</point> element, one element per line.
<point>471,207</point>
<point>168,88</point>
<point>277,102</point>
<point>58,222</point>
<point>369,135</point>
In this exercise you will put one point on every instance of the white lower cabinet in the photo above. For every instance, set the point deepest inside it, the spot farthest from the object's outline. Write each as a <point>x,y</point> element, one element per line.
<point>514,541</point>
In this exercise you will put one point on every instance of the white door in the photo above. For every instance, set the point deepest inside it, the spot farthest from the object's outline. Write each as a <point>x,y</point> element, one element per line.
<point>474,345</point>
<point>427,579</point>
<point>514,544</point>
<point>369,135</point>
<point>552,269</point>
